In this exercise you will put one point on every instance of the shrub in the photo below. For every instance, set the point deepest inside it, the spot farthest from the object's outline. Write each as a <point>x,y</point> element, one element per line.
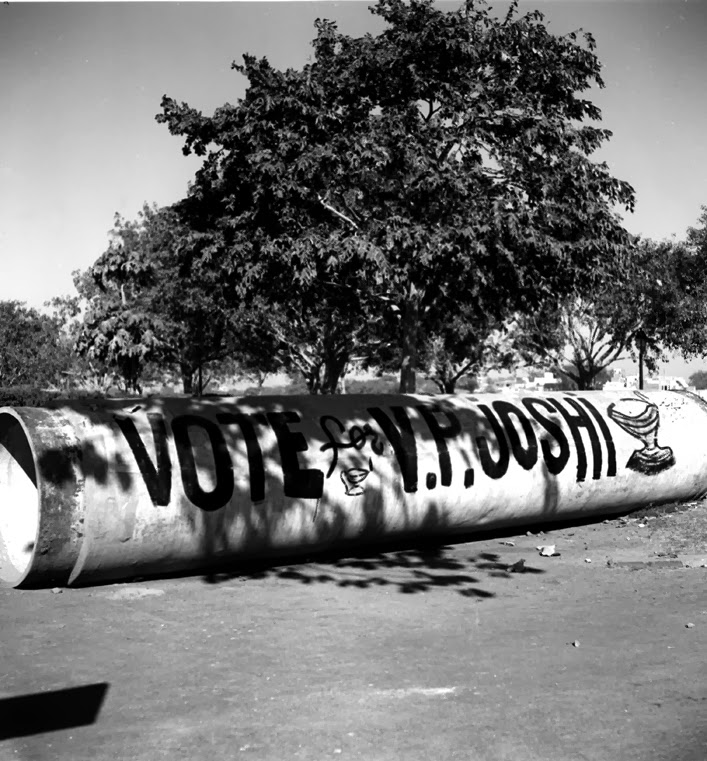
<point>25,396</point>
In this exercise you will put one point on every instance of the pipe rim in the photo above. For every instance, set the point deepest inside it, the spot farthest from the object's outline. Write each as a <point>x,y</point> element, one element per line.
<point>20,499</point>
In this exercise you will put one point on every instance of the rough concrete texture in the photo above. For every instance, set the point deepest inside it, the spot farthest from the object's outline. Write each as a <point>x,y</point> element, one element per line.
<point>447,652</point>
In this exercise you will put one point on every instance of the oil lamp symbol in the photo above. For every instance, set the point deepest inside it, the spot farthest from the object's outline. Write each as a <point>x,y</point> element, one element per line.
<point>352,480</point>
<point>640,418</point>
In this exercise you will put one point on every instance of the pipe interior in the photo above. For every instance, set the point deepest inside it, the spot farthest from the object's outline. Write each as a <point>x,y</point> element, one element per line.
<point>19,500</point>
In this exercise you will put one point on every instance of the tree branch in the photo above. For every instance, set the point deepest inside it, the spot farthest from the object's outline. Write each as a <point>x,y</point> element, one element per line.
<point>337,212</point>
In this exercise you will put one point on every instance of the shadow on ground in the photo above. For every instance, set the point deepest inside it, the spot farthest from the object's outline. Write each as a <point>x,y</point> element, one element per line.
<point>408,571</point>
<point>25,715</point>
<point>421,567</point>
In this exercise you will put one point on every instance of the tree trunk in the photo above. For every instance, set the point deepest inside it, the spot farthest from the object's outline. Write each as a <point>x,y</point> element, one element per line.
<point>332,377</point>
<point>585,378</point>
<point>187,374</point>
<point>446,384</point>
<point>313,379</point>
<point>410,330</point>
<point>334,369</point>
<point>130,370</point>
<point>446,376</point>
<point>450,386</point>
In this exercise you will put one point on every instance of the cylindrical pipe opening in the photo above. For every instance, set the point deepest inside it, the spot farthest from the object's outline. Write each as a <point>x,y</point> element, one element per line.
<point>19,500</point>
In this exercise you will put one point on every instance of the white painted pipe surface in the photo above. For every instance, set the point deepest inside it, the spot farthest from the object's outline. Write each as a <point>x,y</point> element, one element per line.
<point>110,490</point>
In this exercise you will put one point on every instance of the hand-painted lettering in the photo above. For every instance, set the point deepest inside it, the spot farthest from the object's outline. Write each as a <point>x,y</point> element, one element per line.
<point>493,468</point>
<point>297,482</point>
<point>357,438</point>
<point>501,428</point>
<point>158,475</point>
<point>526,455</point>
<point>576,422</point>
<point>256,469</point>
<point>402,439</point>
<point>222,492</point>
<point>610,448</point>
<point>440,433</point>
<point>555,462</point>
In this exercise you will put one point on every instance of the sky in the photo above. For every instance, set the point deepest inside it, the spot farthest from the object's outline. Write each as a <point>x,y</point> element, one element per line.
<point>81,83</point>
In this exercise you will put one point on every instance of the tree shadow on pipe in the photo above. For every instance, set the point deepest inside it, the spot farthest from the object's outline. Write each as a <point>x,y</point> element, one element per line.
<point>385,502</point>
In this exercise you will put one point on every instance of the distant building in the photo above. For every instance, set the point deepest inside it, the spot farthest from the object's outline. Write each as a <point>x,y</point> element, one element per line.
<point>505,380</point>
<point>654,383</point>
<point>547,382</point>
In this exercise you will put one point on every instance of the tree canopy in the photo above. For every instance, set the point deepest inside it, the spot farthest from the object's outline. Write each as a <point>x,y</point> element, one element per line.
<point>655,293</point>
<point>151,300</point>
<point>33,349</point>
<point>396,181</point>
<point>699,379</point>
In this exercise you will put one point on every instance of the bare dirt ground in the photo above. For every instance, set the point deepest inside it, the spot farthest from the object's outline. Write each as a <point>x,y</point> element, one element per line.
<point>447,651</point>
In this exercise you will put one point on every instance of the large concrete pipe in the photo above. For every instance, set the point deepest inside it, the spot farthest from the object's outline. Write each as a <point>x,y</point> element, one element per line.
<point>118,489</point>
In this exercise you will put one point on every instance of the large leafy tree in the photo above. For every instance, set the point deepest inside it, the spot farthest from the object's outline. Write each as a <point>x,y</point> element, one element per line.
<point>297,282</point>
<point>444,162</point>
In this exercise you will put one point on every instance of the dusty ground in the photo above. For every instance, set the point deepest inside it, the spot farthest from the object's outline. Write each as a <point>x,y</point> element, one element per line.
<point>448,652</point>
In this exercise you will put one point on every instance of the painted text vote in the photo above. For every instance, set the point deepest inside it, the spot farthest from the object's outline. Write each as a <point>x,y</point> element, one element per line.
<point>534,432</point>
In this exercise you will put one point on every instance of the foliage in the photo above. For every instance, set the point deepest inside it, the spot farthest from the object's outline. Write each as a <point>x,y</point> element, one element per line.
<point>24,396</point>
<point>696,239</point>
<point>462,348</point>
<point>313,339</point>
<point>454,353</point>
<point>668,295</point>
<point>655,291</point>
<point>699,379</point>
<point>33,349</point>
<point>151,302</point>
<point>396,178</point>
<point>578,338</point>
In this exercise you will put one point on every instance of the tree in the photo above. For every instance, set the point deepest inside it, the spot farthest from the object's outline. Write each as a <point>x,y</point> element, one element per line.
<point>66,313</point>
<point>696,238</point>
<point>442,162</point>
<point>460,347</point>
<point>296,297</point>
<point>567,384</point>
<point>652,293</point>
<point>33,349</point>
<point>464,348</point>
<point>694,284</point>
<point>579,338</point>
<point>150,300</point>
<point>119,328</point>
<point>669,295</point>
<point>315,345</point>
<point>699,379</point>
<point>314,336</point>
